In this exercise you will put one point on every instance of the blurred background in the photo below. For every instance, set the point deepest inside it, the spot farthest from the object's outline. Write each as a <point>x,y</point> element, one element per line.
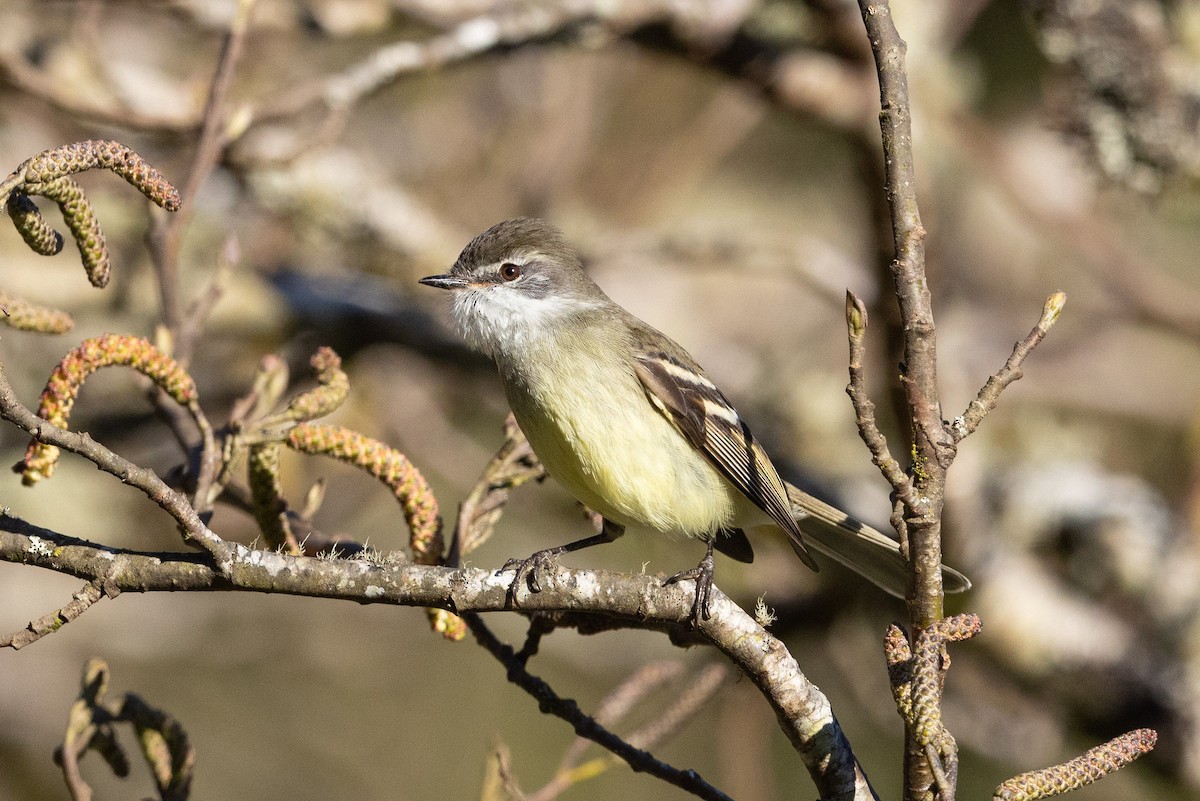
<point>717,164</point>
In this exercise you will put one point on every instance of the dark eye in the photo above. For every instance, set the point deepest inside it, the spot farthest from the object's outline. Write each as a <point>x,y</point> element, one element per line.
<point>510,271</point>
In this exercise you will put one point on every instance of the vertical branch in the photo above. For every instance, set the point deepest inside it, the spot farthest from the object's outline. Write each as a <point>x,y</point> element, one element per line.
<point>165,239</point>
<point>933,447</point>
<point>166,236</point>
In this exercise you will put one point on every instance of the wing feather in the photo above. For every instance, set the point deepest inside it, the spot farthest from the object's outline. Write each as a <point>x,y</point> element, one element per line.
<point>706,418</point>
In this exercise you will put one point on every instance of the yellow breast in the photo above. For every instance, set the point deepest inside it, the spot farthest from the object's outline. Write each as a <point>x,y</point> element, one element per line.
<point>597,433</point>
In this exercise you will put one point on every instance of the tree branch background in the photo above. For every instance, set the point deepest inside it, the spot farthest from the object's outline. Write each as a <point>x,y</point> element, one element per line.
<point>729,200</point>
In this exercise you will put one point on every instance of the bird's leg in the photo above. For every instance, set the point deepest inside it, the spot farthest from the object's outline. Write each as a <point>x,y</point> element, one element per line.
<point>527,569</point>
<point>702,574</point>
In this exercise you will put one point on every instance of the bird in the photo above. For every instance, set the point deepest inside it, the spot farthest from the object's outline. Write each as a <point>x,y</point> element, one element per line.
<point>629,423</point>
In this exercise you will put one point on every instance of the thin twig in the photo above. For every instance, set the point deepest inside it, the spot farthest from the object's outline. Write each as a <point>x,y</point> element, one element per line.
<point>699,689</point>
<point>81,601</point>
<point>172,502</point>
<point>933,446</point>
<point>201,308</point>
<point>167,235</point>
<point>864,407</point>
<point>989,395</point>
<point>514,464</point>
<point>584,725</point>
<point>208,459</point>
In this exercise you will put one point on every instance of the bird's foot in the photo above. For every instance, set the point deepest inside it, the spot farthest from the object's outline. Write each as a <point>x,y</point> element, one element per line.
<point>526,571</point>
<point>702,574</point>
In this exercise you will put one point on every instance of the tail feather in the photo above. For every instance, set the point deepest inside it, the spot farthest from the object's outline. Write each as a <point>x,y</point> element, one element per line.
<point>866,551</point>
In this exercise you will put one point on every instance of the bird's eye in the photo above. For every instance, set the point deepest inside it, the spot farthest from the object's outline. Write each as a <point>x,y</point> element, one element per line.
<point>510,271</point>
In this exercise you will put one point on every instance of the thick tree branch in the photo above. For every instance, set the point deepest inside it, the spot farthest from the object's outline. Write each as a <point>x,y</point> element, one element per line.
<point>802,710</point>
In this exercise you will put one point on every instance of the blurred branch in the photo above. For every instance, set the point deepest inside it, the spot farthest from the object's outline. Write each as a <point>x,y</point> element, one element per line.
<point>1128,96</point>
<point>705,32</point>
<point>629,695</point>
<point>1138,289</point>
<point>192,324</point>
<point>509,27</point>
<point>166,235</point>
<point>30,81</point>
<point>91,726</point>
<point>803,712</point>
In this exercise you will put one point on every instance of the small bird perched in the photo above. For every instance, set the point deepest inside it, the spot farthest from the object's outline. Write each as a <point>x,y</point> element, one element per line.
<point>628,422</point>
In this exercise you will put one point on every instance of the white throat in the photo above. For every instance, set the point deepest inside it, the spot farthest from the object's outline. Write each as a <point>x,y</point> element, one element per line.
<point>504,322</point>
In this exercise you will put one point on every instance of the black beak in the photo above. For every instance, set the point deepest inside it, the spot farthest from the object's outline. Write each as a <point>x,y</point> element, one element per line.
<point>446,281</point>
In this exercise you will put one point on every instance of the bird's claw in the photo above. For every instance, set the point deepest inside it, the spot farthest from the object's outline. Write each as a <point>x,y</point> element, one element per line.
<point>526,571</point>
<point>702,574</point>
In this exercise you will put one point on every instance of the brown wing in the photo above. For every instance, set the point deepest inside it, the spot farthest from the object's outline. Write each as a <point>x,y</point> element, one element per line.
<point>706,418</point>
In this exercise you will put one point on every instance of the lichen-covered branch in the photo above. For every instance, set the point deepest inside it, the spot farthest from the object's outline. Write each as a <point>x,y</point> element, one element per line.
<point>802,710</point>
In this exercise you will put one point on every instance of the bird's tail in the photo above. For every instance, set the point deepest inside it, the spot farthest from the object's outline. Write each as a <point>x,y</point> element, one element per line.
<point>866,551</point>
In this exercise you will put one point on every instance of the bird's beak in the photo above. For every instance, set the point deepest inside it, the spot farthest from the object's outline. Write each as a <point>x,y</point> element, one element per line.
<point>446,281</point>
